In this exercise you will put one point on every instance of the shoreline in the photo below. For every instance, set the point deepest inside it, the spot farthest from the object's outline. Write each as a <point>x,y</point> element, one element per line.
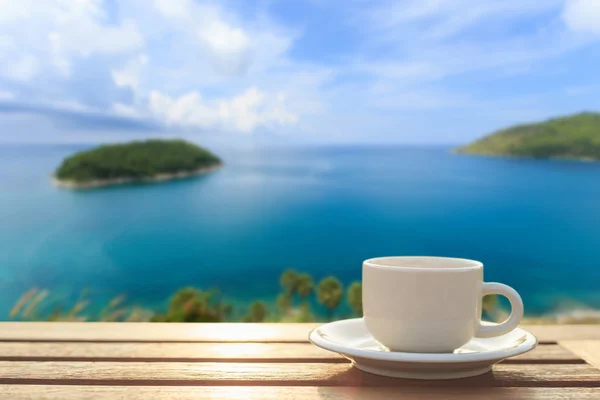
<point>100,183</point>
<point>500,155</point>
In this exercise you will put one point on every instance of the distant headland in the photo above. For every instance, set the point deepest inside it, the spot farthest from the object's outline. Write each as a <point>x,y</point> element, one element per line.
<point>140,161</point>
<point>571,137</point>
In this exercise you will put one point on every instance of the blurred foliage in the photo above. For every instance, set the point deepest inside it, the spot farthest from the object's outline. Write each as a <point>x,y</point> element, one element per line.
<point>304,285</point>
<point>190,304</point>
<point>329,293</point>
<point>489,303</point>
<point>289,281</point>
<point>36,305</point>
<point>354,296</point>
<point>283,302</point>
<point>135,160</point>
<point>194,305</point>
<point>258,312</point>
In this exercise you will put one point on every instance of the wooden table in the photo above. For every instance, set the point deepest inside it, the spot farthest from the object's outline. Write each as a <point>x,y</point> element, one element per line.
<point>260,361</point>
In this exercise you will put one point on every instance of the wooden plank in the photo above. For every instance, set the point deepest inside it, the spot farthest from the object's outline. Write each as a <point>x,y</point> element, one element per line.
<point>277,374</point>
<point>589,350</point>
<point>547,353</point>
<point>243,352</point>
<point>224,332</point>
<point>153,332</point>
<point>555,333</point>
<point>172,352</point>
<point>44,392</point>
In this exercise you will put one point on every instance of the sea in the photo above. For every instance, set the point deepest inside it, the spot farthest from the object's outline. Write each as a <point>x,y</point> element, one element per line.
<point>535,224</point>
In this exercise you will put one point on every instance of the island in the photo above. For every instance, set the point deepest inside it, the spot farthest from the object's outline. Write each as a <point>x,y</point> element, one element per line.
<point>571,137</point>
<point>140,161</point>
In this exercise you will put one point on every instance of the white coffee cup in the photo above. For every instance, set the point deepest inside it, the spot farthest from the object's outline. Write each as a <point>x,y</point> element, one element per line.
<point>430,304</point>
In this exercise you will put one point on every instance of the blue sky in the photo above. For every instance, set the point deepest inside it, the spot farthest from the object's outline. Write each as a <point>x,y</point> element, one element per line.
<point>290,71</point>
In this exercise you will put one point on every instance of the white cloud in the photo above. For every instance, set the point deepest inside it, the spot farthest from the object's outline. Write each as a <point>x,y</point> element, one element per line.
<point>583,15</point>
<point>129,74</point>
<point>189,63</point>
<point>416,99</point>
<point>179,9</point>
<point>69,105</point>
<point>441,19</point>
<point>6,95</point>
<point>412,70</point>
<point>59,58</point>
<point>229,47</point>
<point>417,42</point>
<point>12,10</point>
<point>243,113</point>
<point>125,110</point>
<point>232,46</point>
<point>221,54</point>
<point>6,43</point>
<point>56,31</point>
<point>194,47</point>
<point>23,68</point>
<point>94,38</point>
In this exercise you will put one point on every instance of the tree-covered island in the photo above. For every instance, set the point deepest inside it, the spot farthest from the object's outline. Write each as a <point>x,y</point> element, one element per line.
<point>572,137</point>
<point>139,161</point>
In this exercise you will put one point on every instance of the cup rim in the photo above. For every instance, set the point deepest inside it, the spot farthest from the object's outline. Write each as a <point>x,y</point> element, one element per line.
<point>379,263</point>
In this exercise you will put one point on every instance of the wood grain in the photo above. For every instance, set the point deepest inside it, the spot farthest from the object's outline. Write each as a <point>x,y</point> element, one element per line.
<point>153,332</point>
<point>173,352</point>
<point>589,350</point>
<point>555,333</point>
<point>277,374</point>
<point>224,332</point>
<point>244,352</point>
<point>44,392</point>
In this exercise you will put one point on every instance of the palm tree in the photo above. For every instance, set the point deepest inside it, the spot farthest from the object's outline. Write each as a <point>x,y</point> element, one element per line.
<point>355,297</point>
<point>305,313</point>
<point>258,312</point>
<point>305,288</point>
<point>192,305</point>
<point>330,293</point>
<point>289,281</point>
<point>304,285</point>
<point>283,302</point>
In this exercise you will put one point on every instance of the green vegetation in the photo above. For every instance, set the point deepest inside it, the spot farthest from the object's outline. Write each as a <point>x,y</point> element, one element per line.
<point>574,137</point>
<point>190,304</point>
<point>355,297</point>
<point>283,303</point>
<point>36,305</point>
<point>289,281</point>
<point>258,312</point>
<point>305,286</point>
<point>329,293</point>
<point>135,161</point>
<point>194,305</point>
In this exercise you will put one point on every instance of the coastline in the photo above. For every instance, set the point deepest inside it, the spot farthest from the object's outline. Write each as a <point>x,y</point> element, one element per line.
<point>99,183</point>
<point>501,155</point>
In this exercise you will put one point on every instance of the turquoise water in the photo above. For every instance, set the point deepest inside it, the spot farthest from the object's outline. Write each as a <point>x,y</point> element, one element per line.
<point>535,224</point>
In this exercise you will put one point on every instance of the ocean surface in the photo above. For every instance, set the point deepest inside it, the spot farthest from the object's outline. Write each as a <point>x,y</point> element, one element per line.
<point>535,224</point>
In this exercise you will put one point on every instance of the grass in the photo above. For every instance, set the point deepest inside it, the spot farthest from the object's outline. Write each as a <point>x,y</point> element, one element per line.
<point>37,305</point>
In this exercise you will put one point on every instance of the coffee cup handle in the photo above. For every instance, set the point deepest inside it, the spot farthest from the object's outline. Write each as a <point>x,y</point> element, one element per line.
<point>513,320</point>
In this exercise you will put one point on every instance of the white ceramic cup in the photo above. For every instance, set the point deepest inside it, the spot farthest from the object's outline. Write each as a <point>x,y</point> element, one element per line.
<point>430,304</point>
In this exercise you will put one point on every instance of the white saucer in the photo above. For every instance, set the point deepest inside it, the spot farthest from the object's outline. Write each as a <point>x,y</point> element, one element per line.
<point>351,339</point>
